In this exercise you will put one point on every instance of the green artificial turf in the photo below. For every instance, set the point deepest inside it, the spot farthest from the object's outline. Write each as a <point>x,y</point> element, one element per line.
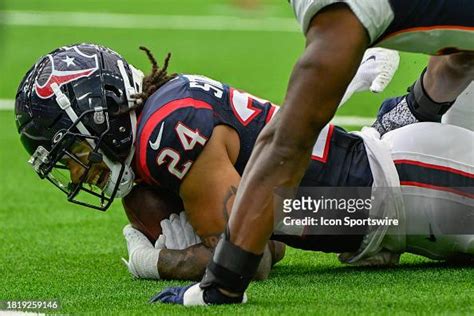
<point>51,249</point>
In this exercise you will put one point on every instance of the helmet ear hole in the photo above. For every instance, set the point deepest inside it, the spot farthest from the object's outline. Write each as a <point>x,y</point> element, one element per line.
<point>113,89</point>
<point>112,106</point>
<point>116,100</point>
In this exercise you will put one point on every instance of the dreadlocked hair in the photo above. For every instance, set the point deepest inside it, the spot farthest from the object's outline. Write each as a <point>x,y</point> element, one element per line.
<point>156,78</point>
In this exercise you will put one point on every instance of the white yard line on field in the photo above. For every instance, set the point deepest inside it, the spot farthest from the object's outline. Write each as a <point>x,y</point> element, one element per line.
<point>138,21</point>
<point>6,104</point>
<point>353,120</point>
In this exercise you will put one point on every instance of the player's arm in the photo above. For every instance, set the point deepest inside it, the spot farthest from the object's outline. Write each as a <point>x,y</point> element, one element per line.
<point>207,192</point>
<point>185,264</point>
<point>207,189</point>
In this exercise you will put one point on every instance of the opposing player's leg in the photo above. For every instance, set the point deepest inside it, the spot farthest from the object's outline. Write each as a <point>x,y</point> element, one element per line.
<point>431,96</point>
<point>447,76</point>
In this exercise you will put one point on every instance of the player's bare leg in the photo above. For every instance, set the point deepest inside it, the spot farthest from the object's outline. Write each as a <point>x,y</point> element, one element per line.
<point>448,76</point>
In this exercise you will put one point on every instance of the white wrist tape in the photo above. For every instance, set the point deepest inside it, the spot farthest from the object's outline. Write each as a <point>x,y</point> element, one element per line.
<point>143,263</point>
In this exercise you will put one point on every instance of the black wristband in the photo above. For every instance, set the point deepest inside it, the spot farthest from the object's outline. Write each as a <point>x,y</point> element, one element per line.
<point>231,268</point>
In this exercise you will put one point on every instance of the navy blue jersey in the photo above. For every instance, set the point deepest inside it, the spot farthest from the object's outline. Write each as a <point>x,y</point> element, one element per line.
<point>411,14</point>
<point>178,119</point>
<point>434,26</point>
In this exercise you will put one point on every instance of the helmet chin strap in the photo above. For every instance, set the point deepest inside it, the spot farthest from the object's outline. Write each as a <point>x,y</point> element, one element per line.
<point>125,180</point>
<point>128,176</point>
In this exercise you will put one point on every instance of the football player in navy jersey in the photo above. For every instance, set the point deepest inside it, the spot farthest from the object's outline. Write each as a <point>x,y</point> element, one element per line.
<point>76,114</point>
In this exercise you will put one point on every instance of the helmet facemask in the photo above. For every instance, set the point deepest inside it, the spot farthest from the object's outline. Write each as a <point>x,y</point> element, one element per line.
<point>72,165</point>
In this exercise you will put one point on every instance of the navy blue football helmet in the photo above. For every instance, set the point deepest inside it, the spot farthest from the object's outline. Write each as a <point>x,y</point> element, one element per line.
<point>77,104</point>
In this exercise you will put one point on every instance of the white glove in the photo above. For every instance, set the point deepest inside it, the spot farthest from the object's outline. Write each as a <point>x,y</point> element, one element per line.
<point>375,72</point>
<point>143,256</point>
<point>378,68</point>
<point>160,243</point>
<point>178,233</point>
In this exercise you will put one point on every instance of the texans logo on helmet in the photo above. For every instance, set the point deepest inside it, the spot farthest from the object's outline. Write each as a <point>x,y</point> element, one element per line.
<point>66,67</point>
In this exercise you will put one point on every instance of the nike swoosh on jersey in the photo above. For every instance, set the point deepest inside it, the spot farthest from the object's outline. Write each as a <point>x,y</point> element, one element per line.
<point>156,144</point>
